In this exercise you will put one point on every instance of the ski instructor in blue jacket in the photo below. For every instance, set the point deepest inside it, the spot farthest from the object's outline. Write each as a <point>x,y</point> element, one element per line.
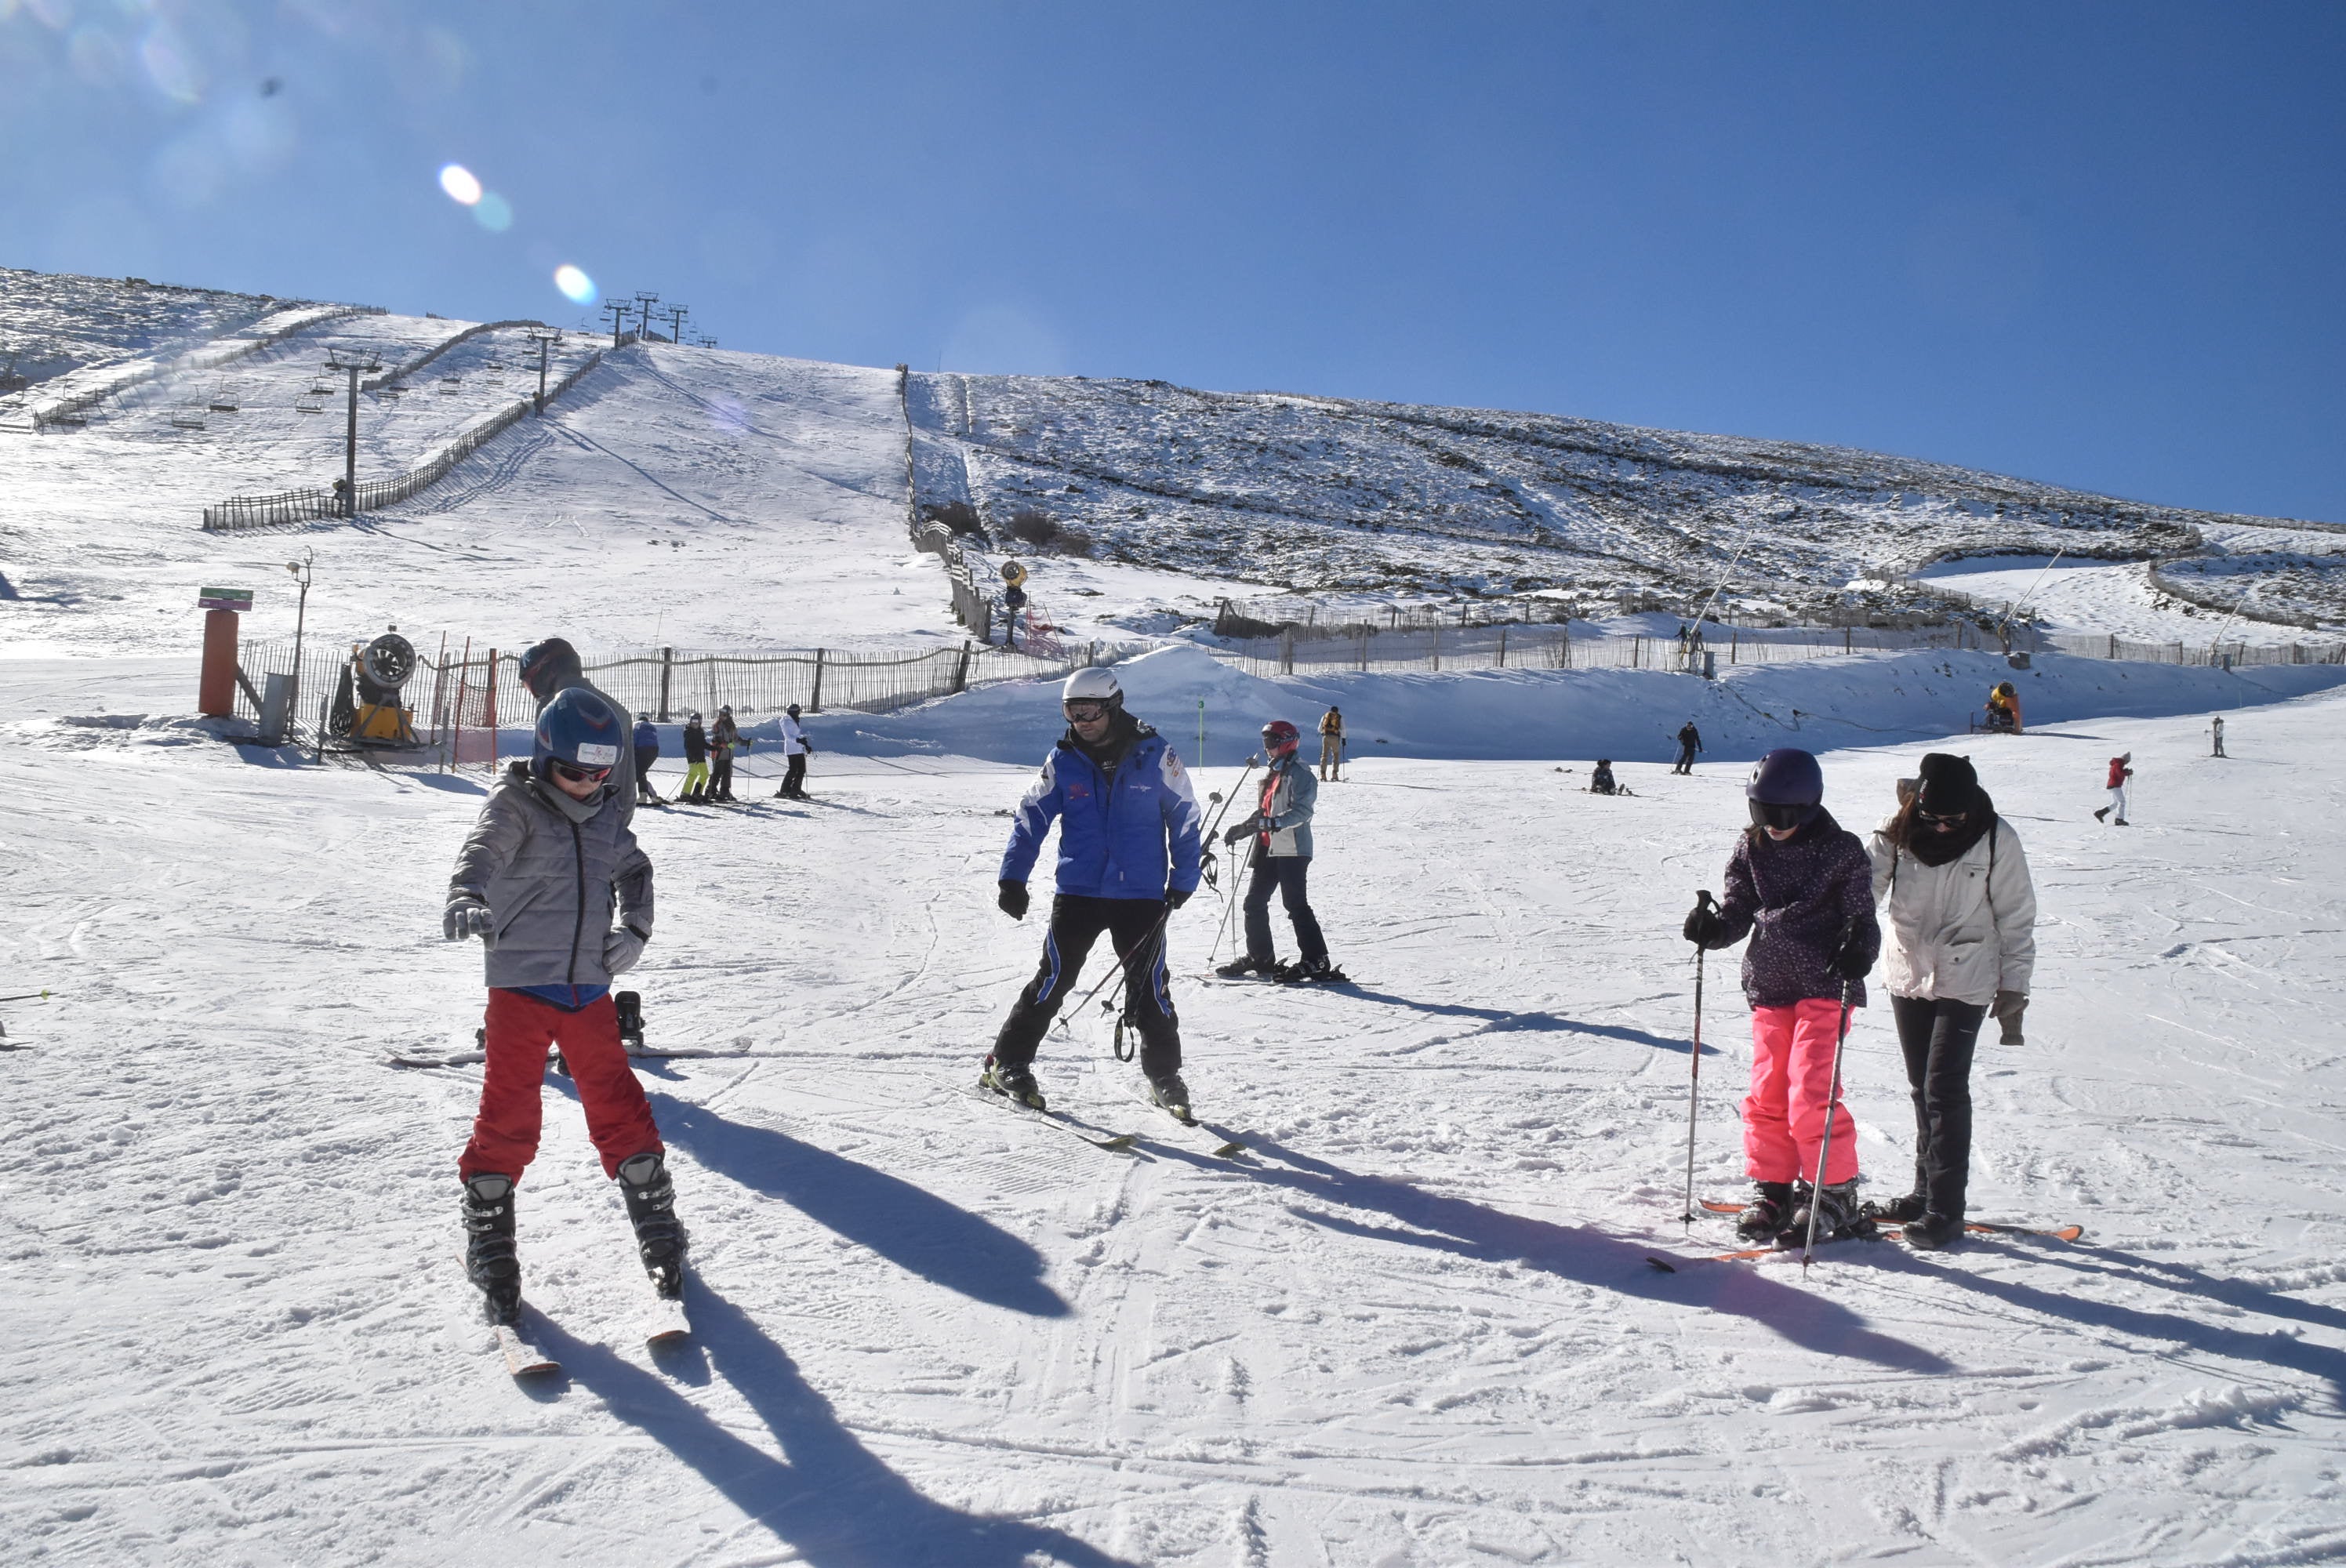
<point>1129,857</point>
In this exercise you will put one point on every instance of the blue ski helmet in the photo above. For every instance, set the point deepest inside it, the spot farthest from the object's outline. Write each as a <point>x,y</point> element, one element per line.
<point>1787,788</point>
<point>577,727</point>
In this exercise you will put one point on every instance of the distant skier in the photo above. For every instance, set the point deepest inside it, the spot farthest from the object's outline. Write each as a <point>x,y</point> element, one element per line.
<point>1280,827</point>
<point>1802,884</point>
<point>2216,729</point>
<point>696,761</point>
<point>1129,857</point>
<point>1331,743</point>
<point>796,749</point>
<point>1690,743</point>
<point>552,667</point>
<point>2004,710</point>
<point>1959,942</point>
<point>544,872</point>
<point>646,745</point>
<point>1600,778</point>
<point>2121,775</point>
<point>724,736</point>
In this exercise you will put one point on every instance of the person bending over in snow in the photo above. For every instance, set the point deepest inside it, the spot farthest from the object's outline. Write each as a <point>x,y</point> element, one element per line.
<point>647,740</point>
<point>1801,883</point>
<point>1281,830</point>
<point>1960,943</point>
<point>545,872</point>
<point>1128,832</point>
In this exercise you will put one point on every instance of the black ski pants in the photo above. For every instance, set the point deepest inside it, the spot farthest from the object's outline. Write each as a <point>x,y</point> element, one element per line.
<point>794,780</point>
<point>720,773</point>
<point>1937,1039</point>
<point>1685,763</point>
<point>1136,928</point>
<point>645,756</point>
<point>1287,874</point>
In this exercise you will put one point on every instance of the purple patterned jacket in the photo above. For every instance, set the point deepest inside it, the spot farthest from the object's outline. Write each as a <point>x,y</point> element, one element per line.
<point>1794,897</point>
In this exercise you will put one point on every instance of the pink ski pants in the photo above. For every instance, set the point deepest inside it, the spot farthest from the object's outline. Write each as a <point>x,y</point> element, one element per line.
<point>1792,1086</point>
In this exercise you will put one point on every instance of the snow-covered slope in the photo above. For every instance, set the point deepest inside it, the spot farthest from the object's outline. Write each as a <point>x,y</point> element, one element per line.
<point>1330,493</point>
<point>51,323</point>
<point>1416,1326</point>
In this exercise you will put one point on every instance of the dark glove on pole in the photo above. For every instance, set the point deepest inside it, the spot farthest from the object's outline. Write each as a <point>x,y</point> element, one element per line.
<point>1702,922</point>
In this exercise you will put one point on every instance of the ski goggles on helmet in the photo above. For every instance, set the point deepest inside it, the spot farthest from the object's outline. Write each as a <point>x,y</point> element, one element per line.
<point>1084,709</point>
<point>578,775</point>
<point>1782,815</point>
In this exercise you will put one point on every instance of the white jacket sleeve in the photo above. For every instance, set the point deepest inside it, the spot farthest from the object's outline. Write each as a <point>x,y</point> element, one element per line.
<point>2013,895</point>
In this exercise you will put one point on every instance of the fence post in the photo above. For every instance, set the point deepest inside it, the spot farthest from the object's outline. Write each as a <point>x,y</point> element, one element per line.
<point>1503,648</point>
<point>1436,634</point>
<point>815,706</point>
<point>961,671</point>
<point>1287,651</point>
<point>668,663</point>
<point>491,708</point>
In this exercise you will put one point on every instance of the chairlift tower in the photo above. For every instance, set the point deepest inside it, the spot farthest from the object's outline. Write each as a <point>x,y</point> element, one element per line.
<point>619,309</point>
<point>353,362</point>
<point>541,339</point>
<point>644,303</point>
<point>676,315</point>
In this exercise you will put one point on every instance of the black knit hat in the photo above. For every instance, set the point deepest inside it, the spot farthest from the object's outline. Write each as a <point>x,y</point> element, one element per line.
<point>1948,785</point>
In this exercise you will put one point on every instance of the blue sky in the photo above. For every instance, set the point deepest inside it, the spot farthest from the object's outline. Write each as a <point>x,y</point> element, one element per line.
<point>2096,244</point>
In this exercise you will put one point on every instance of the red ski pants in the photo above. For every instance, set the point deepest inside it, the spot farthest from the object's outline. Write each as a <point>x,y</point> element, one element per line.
<point>505,1133</point>
<point>1791,1088</point>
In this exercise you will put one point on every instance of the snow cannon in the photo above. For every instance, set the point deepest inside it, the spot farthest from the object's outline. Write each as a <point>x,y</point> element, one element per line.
<point>367,710</point>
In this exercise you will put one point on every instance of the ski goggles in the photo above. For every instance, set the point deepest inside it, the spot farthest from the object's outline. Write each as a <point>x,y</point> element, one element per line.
<point>1939,821</point>
<point>1084,710</point>
<point>1771,814</point>
<point>578,775</point>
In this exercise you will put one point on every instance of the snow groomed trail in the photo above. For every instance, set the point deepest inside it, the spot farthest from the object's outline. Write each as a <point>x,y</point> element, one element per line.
<point>1416,1326</point>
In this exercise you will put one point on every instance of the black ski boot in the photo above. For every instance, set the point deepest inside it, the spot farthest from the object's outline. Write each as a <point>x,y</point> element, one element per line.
<point>1900,1210</point>
<point>1245,964</point>
<point>1836,1211</point>
<point>651,1207</point>
<point>630,1006</point>
<point>1171,1093</point>
<point>1766,1215</point>
<point>1933,1231</point>
<point>1308,971</point>
<point>490,1260</point>
<point>1015,1083</point>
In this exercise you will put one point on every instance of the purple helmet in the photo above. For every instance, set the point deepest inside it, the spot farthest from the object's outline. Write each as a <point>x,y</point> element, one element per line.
<point>1787,788</point>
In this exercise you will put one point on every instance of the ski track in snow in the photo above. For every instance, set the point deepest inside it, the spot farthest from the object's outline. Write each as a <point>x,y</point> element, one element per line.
<point>1413,1325</point>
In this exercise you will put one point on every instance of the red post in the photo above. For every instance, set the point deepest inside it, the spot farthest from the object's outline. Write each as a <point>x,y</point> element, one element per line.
<point>216,690</point>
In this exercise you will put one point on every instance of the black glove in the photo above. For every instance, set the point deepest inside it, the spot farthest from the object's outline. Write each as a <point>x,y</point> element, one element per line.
<point>1175,898</point>
<point>1012,900</point>
<point>1702,926</point>
<point>1243,832</point>
<point>1850,960</point>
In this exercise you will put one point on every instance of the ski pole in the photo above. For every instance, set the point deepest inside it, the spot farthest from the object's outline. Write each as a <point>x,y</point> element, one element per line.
<point>1833,1103</point>
<point>1702,901</point>
<point>1122,960</point>
<point>28,996</point>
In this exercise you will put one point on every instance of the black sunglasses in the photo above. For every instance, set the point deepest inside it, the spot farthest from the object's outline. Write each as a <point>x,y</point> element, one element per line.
<point>1939,818</point>
<point>578,775</point>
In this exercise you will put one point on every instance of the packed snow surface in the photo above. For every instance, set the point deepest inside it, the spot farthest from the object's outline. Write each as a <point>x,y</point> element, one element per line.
<point>1414,1324</point>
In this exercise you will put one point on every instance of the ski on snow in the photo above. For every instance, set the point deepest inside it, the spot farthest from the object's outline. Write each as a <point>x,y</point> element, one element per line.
<point>1864,1230</point>
<point>1211,1140</point>
<point>1075,1127</point>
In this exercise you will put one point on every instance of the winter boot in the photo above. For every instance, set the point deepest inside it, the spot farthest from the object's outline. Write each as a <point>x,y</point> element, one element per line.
<point>1900,1210</point>
<point>1015,1083</point>
<point>1171,1093</point>
<point>630,1006</point>
<point>651,1208</point>
<point>490,1260</point>
<point>1304,971</point>
<point>2102,814</point>
<point>1932,1232</point>
<point>1764,1215</point>
<point>1246,964</point>
<point>1836,1210</point>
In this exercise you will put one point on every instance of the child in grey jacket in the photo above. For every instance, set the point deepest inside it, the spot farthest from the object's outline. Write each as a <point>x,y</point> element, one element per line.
<point>546,868</point>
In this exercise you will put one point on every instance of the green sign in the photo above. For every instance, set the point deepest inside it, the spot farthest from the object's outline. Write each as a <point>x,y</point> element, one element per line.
<point>238,599</point>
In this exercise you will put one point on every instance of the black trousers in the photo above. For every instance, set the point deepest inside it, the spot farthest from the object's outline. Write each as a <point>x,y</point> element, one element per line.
<point>794,780</point>
<point>1288,874</point>
<point>1136,928</point>
<point>645,756</point>
<point>1685,763</point>
<point>1937,1039</point>
<point>720,773</point>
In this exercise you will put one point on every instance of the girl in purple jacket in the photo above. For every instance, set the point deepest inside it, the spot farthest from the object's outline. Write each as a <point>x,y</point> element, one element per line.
<point>1801,886</point>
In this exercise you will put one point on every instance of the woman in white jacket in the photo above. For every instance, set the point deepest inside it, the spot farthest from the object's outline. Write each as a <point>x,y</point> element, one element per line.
<point>1959,938</point>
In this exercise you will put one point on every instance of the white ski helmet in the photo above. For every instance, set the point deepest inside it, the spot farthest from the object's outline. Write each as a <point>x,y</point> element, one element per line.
<point>1092,684</point>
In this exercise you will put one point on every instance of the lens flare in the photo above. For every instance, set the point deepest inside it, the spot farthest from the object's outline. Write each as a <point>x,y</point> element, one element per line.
<point>460,184</point>
<point>576,286</point>
<point>494,213</point>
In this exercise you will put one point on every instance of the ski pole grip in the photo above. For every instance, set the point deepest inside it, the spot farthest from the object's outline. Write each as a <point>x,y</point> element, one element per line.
<point>1702,899</point>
